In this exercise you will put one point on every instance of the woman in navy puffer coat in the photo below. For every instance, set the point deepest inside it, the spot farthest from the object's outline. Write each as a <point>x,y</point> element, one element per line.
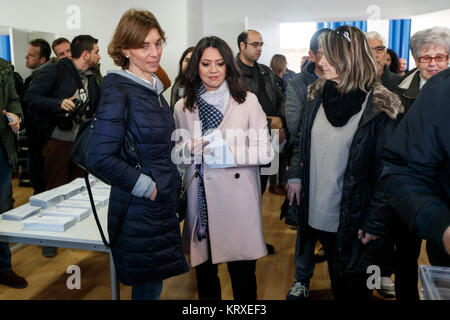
<point>148,248</point>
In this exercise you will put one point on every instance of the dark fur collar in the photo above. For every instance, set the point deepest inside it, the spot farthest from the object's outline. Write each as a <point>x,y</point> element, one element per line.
<point>383,99</point>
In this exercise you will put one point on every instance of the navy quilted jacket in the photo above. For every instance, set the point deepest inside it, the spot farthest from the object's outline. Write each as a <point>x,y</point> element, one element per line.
<point>149,244</point>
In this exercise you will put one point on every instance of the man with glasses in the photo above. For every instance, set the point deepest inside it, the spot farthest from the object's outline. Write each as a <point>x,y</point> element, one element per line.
<point>430,49</point>
<point>260,80</point>
<point>378,46</point>
<point>389,80</point>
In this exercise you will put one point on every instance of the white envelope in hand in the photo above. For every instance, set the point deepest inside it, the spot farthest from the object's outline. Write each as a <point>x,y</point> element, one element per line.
<point>221,156</point>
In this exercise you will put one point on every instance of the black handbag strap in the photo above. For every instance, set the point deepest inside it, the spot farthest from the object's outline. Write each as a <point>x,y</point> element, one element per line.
<point>128,196</point>
<point>97,220</point>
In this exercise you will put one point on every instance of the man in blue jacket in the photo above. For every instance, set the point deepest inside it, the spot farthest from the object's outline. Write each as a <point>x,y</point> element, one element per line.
<point>61,96</point>
<point>416,177</point>
<point>37,58</point>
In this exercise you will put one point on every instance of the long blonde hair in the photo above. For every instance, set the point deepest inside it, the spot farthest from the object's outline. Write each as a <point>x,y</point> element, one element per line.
<point>348,51</point>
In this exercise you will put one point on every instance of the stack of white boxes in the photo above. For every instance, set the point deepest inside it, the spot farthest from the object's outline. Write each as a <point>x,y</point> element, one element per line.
<point>60,208</point>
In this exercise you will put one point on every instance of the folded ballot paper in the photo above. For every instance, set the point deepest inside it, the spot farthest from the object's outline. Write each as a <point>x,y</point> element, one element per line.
<point>83,204</point>
<point>103,198</point>
<point>47,199</point>
<point>21,213</point>
<point>46,223</point>
<point>68,190</point>
<point>221,156</point>
<point>99,185</point>
<point>77,213</point>
<point>82,183</point>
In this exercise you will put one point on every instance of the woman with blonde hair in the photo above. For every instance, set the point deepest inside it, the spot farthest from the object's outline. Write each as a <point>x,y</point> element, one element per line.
<point>278,64</point>
<point>348,119</point>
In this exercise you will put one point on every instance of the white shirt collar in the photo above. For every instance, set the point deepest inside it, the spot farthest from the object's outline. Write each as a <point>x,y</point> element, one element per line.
<point>422,82</point>
<point>152,85</point>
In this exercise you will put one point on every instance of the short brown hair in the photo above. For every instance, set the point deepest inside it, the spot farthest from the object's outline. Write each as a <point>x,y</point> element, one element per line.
<point>58,41</point>
<point>130,33</point>
<point>348,50</point>
<point>44,47</point>
<point>277,63</point>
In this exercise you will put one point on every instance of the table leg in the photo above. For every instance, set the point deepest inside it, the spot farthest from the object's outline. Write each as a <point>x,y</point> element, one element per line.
<point>115,289</point>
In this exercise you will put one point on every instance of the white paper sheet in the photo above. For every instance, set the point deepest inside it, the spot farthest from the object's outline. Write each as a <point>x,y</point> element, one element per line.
<point>221,156</point>
<point>46,223</point>
<point>77,213</point>
<point>21,213</point>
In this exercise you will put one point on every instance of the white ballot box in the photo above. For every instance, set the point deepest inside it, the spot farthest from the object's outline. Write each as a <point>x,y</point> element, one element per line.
<point>435,282</point>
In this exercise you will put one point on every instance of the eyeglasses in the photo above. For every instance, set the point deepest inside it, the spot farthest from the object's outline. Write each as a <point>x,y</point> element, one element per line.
<point>255,44</point>
<point>379,49</point>
<point>439,58</point>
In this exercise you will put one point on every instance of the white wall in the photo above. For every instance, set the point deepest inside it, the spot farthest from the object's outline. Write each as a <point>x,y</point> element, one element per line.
<point>186,21</point>
<point>226,18</point>
<point>195,19</point>
<point>97,18</point>
<point>19,45</point>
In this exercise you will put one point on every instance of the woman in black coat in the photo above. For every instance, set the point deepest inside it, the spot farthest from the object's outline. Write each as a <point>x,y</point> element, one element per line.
<point>148,248</point>
<point>348,119</point>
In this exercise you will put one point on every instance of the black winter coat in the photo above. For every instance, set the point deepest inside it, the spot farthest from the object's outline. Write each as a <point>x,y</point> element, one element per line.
<point>390,79</point>
<point>360,207</point>
<point>416,177</point>
<point>52,85</point>
<point>149,244</point>
<point>408,88</point>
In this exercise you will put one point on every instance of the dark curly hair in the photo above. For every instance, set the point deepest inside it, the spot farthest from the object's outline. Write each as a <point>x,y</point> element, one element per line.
<point>395,64</point>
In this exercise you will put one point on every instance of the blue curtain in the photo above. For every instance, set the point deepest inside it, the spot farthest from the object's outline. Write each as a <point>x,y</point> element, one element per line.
<point>334,25</point>
<point>5,49</point>
<point>399,35</point>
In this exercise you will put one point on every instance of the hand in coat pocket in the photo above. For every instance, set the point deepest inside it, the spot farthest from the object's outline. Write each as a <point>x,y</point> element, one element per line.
<point>154,193</point>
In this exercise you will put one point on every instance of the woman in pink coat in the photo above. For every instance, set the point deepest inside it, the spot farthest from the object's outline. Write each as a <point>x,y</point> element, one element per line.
<point>222,139</point>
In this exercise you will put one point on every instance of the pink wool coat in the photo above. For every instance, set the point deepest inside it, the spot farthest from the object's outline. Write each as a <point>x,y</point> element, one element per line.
<point>233,195</point>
